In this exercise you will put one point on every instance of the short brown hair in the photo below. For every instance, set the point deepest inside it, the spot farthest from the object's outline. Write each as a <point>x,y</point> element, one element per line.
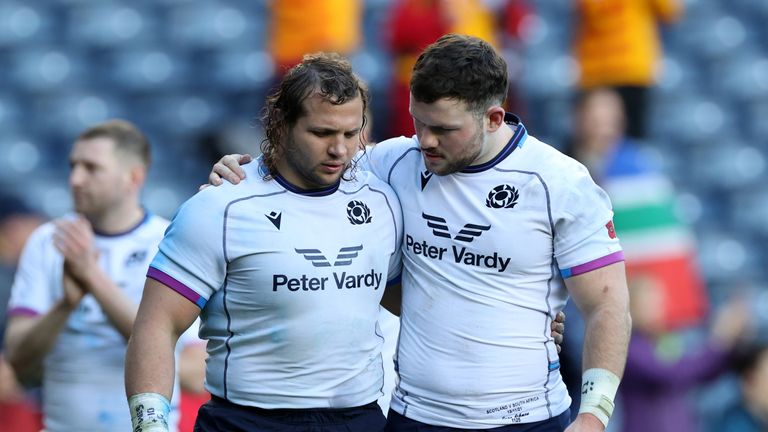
<point>126,136</point>
<point>460,67</point>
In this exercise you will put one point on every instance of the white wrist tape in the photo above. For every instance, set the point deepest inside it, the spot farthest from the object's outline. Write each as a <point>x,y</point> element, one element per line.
<point>598,389</point>
<point>149,412</point>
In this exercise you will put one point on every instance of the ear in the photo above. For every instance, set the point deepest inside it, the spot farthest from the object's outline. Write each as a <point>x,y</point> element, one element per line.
<point>495,116</point>
<point>137,175</point>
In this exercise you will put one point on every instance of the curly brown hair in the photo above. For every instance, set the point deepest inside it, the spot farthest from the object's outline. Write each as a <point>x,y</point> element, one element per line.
<point>461,67</point>
<point>327,74</point>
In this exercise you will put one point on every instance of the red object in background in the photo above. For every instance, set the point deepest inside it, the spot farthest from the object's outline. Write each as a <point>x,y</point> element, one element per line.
<point>20,417</point>
<point>412,26</point>
<point>685,302</point>
<point>515,13</point>
<point>190,403</point>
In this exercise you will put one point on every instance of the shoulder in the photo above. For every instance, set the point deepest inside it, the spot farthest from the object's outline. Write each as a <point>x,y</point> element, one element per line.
<point>366,182</point>
<point>397,144</point>
<point>389,152</point>
<point>41,238</point>
<point>214,200</point>
<point>156,223</point>
<point>550,163</point>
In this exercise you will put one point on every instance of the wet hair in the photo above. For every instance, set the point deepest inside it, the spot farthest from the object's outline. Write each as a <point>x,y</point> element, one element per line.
<point>126,136</point>
<point>326,74</point>
<point>464,68</point>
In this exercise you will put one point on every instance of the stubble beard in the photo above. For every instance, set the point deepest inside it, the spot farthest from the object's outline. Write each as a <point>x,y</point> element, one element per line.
<point>464,161</point>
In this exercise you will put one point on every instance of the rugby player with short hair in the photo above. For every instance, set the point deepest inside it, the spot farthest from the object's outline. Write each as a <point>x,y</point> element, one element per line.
<point>78,284</point>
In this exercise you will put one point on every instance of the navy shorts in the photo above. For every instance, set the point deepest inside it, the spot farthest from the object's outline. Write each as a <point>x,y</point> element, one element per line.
<point>221,415</point>
<point>400,423</point>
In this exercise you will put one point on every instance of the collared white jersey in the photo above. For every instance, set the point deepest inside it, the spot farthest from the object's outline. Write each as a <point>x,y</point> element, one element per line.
<point>289,283</point>
<point>485,253</point>
<point>83,386</point>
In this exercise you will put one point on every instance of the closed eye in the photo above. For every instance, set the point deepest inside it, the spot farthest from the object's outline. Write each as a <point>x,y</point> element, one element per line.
<point>437,130</point>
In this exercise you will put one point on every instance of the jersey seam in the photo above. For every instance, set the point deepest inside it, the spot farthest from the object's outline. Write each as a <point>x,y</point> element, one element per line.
<point>397,161</point>
<point>227,343</point>
<point>552,274</point>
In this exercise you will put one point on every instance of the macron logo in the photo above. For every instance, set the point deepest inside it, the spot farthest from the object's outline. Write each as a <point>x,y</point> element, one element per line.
<point>274,217</point>
<point>425,176</point>
<point>343,258</point>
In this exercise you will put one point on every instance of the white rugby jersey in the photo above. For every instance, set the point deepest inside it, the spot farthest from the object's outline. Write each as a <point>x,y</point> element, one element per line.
<point>83,387</point>
<point>289,283</point>
<point>485,254</point>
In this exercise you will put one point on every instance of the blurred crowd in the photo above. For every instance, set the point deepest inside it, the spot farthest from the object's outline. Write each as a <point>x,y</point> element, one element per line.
<point>659,99</point>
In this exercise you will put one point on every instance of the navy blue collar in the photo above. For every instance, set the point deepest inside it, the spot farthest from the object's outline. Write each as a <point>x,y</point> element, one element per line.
<point>306,192</point>
<point>516,141</point>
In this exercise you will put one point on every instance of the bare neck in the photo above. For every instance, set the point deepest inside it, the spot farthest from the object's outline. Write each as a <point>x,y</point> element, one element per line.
<point>118,219</point>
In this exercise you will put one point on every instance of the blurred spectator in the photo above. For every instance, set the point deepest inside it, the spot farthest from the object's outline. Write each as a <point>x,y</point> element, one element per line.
<point>79,280</point>
<point>657,245</point>
<point>750,413</point>
<point>656,242</point>
<point>617,44</point>
<point>414,24</point>
<point>19,412</point>
<point>661,370</point>
<point>299,27</point>
<point>17,221</point>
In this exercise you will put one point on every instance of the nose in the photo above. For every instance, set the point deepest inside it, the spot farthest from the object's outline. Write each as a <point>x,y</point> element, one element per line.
<point>76,176</point>
<point>427,140</point>
<point>338,146</point>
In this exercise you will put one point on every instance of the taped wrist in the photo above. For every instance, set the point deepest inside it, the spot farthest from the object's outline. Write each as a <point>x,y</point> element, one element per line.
<point>149,412</point>
<point>598,389</point>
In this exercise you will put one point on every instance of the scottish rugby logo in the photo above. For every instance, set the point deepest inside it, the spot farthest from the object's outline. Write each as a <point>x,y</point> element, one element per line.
<point>502,196</point>
<point>358,213</point>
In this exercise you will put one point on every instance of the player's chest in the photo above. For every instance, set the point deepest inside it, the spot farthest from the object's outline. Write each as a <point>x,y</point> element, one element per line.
<point>343,245</point>
<point>499,224</point>
<point>126,263</point>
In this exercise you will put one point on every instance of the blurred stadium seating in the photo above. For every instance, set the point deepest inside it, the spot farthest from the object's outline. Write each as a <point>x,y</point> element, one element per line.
<point>184,68</point>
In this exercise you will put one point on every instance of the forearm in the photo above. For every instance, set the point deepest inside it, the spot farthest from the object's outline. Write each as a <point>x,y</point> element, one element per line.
<point>149,361</point>
<point>602,298</point>
<point>119,309</point>
<point>606,338</point>
<point>30,339</point>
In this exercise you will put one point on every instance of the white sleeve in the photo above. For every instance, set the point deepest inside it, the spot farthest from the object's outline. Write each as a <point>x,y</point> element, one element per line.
<point>382,157</point>
<point>37,283</point>
<point>190,258</point>
<point>582,217</point>
<point>396,259</point>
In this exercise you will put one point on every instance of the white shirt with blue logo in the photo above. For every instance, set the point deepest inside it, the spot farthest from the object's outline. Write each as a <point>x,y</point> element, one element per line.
<point>485,253</point>
<point>289,284</point>
<point>83,387</point>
